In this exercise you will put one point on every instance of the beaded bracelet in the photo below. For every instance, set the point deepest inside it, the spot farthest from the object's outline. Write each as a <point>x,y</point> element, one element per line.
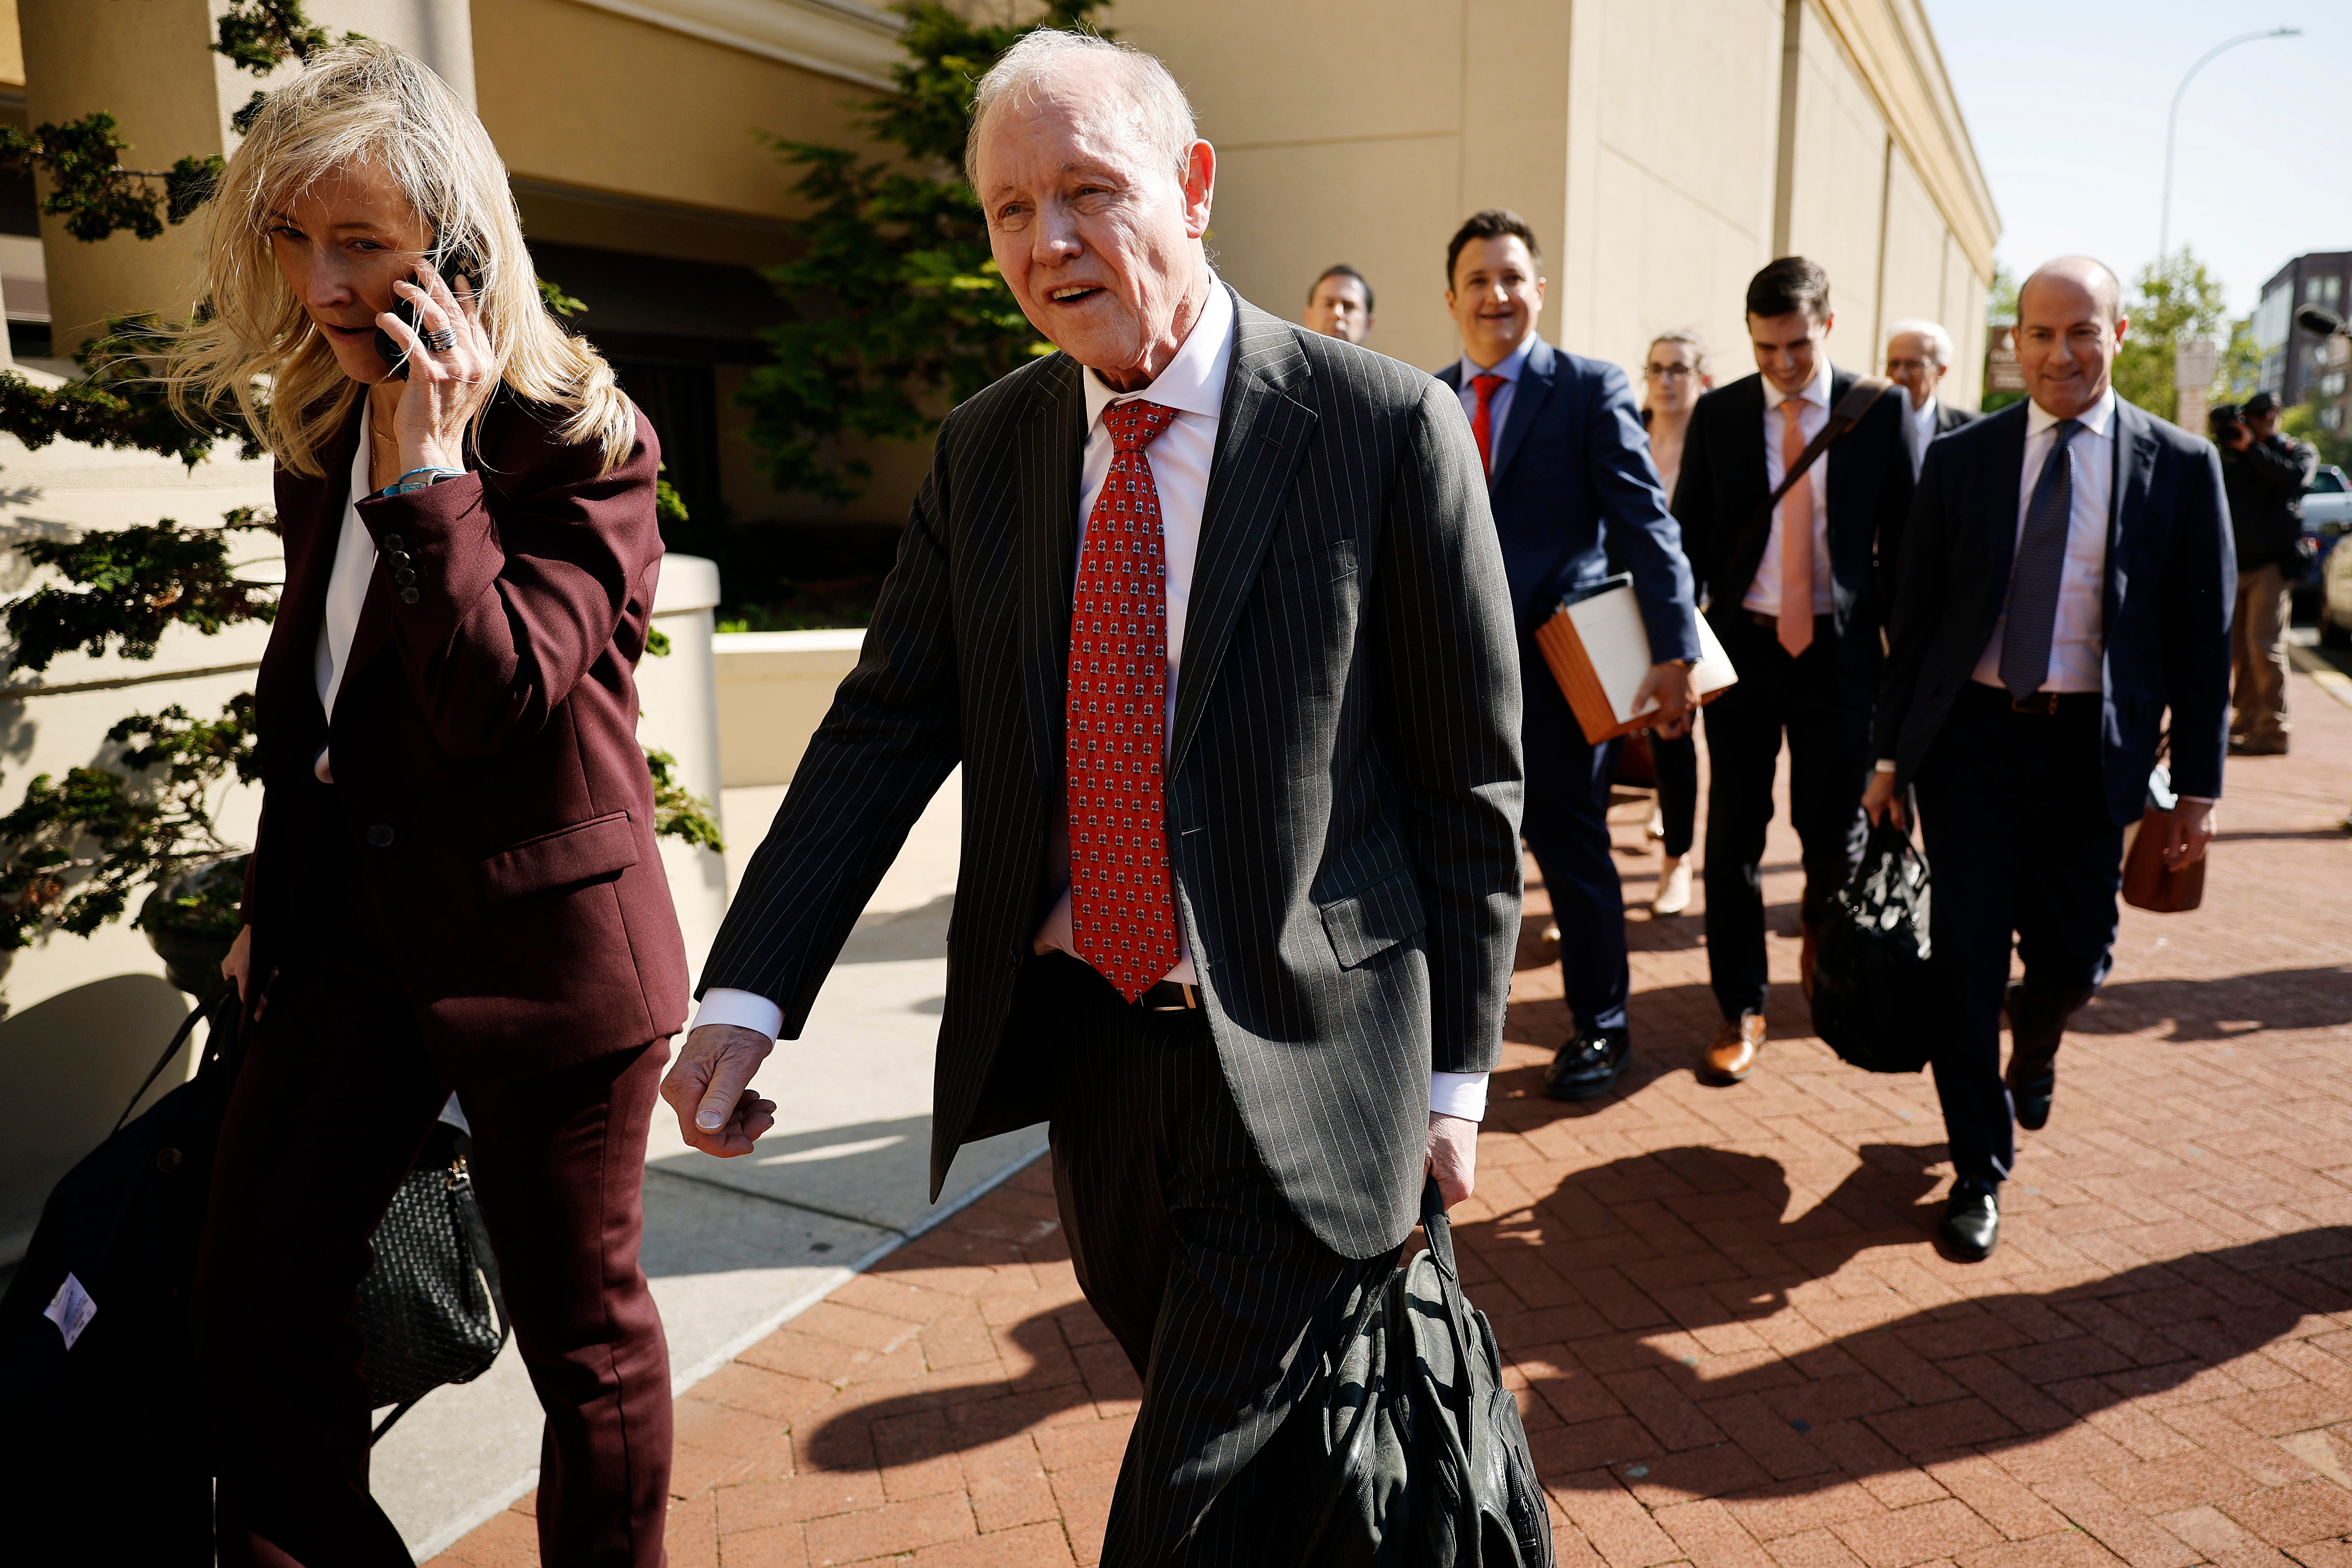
<point>408,481</point>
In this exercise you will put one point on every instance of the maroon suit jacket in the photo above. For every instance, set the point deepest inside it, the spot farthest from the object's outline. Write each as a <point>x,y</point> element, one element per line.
<point>484,748</point>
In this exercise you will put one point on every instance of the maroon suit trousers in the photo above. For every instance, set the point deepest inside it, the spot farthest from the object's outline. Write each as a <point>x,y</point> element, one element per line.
<point>332,1104</point>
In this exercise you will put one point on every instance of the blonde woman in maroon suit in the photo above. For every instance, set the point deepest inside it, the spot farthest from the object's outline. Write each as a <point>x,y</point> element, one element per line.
<point>455,885</point>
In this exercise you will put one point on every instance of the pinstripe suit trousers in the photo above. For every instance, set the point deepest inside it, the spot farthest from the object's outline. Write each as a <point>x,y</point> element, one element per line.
<point>1223,1301</point>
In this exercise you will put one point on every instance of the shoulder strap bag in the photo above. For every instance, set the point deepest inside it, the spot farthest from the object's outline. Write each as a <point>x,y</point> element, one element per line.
<point>1858,399</point>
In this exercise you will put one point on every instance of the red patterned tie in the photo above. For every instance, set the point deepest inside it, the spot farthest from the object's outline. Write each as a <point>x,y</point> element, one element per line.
<point>1482,424</point>
<point>1122,895</point>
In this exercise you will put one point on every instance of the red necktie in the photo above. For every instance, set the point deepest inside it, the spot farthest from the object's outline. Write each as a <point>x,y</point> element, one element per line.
<point>1122,895</point>
<point>1481,425</point>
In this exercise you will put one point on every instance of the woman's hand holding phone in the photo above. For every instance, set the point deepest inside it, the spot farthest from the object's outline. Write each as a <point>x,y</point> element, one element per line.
<point>451,370</point>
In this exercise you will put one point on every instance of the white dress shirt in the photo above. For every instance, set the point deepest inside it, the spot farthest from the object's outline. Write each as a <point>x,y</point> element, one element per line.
<point>2078,638</point>
<point>1499,408</point>
<point>1920,430</point>
<point>346,587</point>
<point>1812,407</point>
<point>1193,385</point>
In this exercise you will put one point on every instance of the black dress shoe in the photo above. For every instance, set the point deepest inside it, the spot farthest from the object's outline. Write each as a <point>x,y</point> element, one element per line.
<point>1589,1065</point>
<point>2037,1025</point>
<point>1972,1226</point>
<point>2029,1092</point>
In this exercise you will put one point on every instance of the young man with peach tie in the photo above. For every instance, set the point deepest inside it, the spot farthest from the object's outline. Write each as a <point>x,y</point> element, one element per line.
<point>1799,610</point>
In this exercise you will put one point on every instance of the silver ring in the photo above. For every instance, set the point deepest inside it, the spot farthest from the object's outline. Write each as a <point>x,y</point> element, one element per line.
<point>441,342</point>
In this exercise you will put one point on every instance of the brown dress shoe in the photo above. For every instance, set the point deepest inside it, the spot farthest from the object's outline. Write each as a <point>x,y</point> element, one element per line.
<point>1731,1055</point>
<point>1808,954</point>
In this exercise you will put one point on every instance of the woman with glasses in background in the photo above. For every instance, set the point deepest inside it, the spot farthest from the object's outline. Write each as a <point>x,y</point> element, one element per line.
<point>1671,383</point>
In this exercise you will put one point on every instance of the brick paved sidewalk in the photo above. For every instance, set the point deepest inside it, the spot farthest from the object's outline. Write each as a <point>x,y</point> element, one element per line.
<point>1734,1340</point>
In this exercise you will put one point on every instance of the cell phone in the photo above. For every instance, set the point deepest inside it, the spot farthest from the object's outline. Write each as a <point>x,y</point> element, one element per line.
<point>452,261</point>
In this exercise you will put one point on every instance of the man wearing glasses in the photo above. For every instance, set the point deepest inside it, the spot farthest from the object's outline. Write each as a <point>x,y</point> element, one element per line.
<point>1919,353</point>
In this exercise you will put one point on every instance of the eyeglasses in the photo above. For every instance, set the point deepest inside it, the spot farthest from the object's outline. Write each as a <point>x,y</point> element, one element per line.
<point>1669,372</point>
<point>1920,367</point>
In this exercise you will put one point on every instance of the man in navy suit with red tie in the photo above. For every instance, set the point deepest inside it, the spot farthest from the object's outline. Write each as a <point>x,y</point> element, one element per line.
<point>2067,579</point>
<point>1565,453</point>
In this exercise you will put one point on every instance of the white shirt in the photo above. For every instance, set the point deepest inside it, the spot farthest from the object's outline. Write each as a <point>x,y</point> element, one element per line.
<point>2078,638</point>
<point>1499,408</point>
<point>1920,430</point>
<point>1193,385</point>
<point>346,587</point>
<point>1812,407</point>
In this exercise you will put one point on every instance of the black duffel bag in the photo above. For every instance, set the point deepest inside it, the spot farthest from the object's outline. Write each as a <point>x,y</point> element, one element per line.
<point>99,1403</point>
<point>1872,1002</point>
<point>1412,1452</point>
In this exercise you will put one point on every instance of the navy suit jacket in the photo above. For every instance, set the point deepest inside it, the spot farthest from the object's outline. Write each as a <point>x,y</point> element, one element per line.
<point>1573,457</point>
<point>1723,481</point>
<point>2172,581</point>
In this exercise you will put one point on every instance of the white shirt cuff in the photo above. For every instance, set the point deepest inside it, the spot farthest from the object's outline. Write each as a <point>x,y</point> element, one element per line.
<point>743,1009</point>
<point>1462,1094</point>
<point>1886,765</point>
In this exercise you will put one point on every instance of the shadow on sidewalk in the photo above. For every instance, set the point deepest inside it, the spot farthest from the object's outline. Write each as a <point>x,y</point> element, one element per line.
<point>1693,1349</point>
<point>1649,1351</point>
<point>2319,997</point>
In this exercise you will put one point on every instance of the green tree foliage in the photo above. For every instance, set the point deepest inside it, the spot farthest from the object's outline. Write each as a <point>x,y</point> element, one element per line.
<point>131,585</point>
<point>679,812</point>
<point>2302,422</point>
<point>2173,299</point>
<point>88,186</point>
<point>118,401</point>
<point>903,311</point>
<point>75,852</point>
<point>2240,368</point>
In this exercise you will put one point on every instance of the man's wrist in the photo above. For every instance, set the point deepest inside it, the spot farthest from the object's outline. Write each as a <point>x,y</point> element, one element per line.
<point>1462,1094</point>
<point>738,1010</point>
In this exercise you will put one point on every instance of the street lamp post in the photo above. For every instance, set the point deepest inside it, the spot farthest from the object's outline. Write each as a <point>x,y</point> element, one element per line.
<point>2172,125</point>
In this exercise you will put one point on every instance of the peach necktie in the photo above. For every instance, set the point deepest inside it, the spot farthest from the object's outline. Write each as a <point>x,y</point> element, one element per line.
<point>1796,536</point>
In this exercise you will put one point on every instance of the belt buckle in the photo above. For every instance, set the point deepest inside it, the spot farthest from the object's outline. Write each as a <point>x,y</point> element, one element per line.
<point>2044,704</point>
<point>1190,1002</point>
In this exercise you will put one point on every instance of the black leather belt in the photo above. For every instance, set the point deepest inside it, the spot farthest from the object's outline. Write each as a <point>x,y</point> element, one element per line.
<point>1170,997</point>
<point>2040,705</point>
<point>1821,623</point>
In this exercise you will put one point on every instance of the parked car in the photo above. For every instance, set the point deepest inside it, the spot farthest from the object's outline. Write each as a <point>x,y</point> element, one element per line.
<point>2334,588</point>
<point>2327,517</point>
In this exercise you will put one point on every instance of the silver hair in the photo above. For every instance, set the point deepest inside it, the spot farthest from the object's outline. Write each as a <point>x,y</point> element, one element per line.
<point>1938,340</point>
<point>1160,113</point>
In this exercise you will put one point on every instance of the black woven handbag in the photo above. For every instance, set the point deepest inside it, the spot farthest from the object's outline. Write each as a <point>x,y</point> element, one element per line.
<point>1411,1451</point>
<point>1871,998</point>
<point>430,1307</point>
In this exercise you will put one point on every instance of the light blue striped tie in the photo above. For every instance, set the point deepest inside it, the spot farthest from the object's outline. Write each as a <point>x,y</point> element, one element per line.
<point>2035,576</point>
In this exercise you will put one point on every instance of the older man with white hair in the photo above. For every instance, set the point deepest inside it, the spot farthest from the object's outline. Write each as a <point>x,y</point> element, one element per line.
<point>1210,611</point>
<point>1918,357</point>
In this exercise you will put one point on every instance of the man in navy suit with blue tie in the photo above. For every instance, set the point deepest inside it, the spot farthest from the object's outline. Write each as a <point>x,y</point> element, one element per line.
<point>2067,577</point>
<point>1565,454</point>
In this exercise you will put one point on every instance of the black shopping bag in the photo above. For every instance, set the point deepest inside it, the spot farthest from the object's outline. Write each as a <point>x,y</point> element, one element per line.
<point>1871,998</point>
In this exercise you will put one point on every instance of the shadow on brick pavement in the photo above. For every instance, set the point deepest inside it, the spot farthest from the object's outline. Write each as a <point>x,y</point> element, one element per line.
<point>1730,1331</point>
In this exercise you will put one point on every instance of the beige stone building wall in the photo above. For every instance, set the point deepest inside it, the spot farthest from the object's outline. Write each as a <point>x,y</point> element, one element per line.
<point>1663,149</point>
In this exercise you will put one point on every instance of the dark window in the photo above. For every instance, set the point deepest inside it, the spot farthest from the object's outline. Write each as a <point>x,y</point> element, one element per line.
<point>681,402</point>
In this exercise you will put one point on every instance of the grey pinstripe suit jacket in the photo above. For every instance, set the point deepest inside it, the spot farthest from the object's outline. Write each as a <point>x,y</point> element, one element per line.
<point>1344,776</point>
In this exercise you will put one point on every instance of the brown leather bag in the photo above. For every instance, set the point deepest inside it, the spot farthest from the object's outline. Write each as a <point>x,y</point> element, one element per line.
<point>2148,882</point>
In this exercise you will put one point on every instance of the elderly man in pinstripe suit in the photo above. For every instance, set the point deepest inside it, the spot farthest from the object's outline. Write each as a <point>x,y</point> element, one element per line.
<point>1210,611</point>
